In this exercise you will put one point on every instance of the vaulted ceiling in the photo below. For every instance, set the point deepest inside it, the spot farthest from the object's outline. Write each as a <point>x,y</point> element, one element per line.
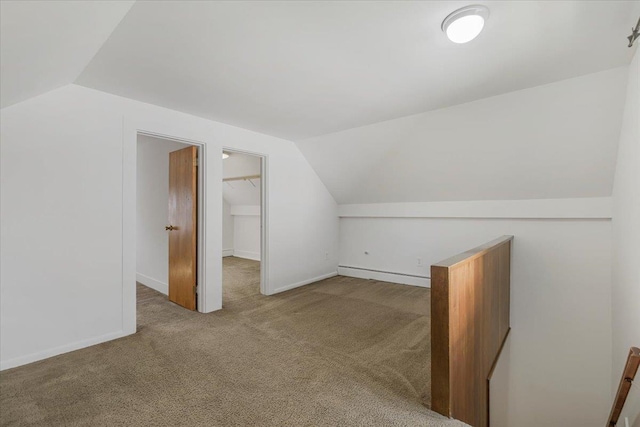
<point>553,141</point>
<point>46,44</point>
<point>366,89</point>
<point>302,69</point>
<point>242,189</point>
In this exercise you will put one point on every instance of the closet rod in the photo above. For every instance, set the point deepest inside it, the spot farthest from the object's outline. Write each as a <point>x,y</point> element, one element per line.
<point>238,178</point>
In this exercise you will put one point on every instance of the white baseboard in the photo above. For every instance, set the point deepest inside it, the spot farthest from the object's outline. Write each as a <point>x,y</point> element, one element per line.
<point>304,282</point>
<point>400,278</point>
<point>246,254</point>
<point>34,357</point>
<point>227,252</point>
<point>153,283</point>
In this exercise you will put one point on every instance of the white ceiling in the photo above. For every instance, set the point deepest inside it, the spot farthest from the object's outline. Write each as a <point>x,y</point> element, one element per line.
<point>344,78</point>
<point>553,141</point>
<point>240,164</point>
<point>302,69</point>
<point>241,192</point>
<point>47,44</point>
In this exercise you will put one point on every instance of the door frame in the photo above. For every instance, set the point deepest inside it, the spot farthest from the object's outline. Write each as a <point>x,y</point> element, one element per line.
<point>200,213</point>
<point>210,220</point>
<point>205,135</point>
<point>264,229</point>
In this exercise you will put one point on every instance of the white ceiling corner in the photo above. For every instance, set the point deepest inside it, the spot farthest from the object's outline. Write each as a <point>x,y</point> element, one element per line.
<point>46,44</point>
<point>241,191</point>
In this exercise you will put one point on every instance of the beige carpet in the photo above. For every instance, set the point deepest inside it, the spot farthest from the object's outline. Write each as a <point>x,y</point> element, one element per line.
<point>341,352</point>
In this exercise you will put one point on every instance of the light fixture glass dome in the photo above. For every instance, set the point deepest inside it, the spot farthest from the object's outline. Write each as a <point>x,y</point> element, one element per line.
<point>465,24</point>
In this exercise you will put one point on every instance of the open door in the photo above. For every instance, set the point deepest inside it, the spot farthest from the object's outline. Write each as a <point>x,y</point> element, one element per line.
<point>182,228</point>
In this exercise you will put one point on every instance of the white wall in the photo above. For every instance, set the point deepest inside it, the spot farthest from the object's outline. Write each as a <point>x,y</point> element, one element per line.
<point>227,229</point>
<point>626,242</point>
<point>553,141</point>
<point>555,369</point>
<point>68,204</point>
<point>246,236</point>
<point>152,240</point>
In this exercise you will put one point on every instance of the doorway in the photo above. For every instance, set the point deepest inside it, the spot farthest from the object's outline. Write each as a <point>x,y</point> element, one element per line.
<point>167,217</point>
<point>242,219</point>
<point>210,186</point>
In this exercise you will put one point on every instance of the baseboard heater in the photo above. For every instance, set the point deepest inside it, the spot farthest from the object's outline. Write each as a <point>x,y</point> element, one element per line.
<point>385,272</point>
<point>387,276</point>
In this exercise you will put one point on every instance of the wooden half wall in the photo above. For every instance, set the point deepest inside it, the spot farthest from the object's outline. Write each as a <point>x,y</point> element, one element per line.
<point>470,295</point>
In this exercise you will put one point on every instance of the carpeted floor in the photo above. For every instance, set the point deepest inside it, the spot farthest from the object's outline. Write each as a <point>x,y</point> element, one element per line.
<point>340,352</point>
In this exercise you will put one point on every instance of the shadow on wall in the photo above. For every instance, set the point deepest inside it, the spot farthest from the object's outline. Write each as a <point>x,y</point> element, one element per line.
<point>498,409</point>
<point>633,404</point>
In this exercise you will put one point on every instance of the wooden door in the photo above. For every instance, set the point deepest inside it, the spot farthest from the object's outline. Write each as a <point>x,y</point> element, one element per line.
<point>182,228</point>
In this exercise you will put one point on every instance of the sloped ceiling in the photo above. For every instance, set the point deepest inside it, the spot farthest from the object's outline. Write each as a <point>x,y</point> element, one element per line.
<point>241,191</point>
<point>554,141</point>
<point>47,44</point>
<point>301,69</point>
<point>239,165</point>
<point>383,106</point>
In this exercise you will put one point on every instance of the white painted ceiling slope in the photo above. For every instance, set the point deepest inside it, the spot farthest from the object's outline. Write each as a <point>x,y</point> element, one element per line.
<point>383,106</point>
<point>241,192</point>
<point>553,141</point>
<point>303,69</point>
<point>46,44</point>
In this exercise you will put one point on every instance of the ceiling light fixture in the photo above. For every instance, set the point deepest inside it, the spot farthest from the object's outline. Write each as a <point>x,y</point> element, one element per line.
<point>464,24</point>
<point>225,155</point>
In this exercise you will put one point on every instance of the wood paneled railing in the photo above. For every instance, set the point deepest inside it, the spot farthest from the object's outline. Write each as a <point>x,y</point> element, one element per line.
<point>628,374</point>
<point>470,295</point>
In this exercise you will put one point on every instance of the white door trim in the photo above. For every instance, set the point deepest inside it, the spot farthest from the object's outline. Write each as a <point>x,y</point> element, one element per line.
<point>264,229</point>
<point>209,272</point>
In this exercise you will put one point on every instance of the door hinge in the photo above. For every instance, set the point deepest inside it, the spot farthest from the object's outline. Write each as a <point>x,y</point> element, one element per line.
<point>195,162</point>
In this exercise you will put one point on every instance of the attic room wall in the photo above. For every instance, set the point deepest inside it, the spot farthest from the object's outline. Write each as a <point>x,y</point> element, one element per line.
<point>626,242</point>
<point>62,207</point>
<point>246,236</point>
<point>245,217</point>
<point>553,146</point>
<point>560,299</point>
<point>152,240</point>
<point>553,141</point>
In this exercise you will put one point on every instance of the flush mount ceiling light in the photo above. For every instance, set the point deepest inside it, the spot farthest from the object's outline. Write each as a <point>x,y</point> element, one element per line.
<point>464,25</point>
<point>225,155</point>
